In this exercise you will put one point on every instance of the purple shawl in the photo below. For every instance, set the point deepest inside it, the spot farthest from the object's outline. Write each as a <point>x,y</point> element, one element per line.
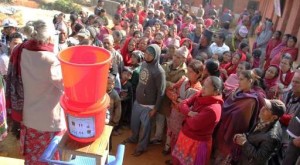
<point>277,49</point>
<point>240,112</point>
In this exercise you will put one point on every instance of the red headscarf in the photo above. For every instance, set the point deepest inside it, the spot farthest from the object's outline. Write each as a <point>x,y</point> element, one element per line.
<point>125,53</point>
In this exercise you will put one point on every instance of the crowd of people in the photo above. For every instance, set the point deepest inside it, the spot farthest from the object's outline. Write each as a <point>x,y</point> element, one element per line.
<point>187,76</point>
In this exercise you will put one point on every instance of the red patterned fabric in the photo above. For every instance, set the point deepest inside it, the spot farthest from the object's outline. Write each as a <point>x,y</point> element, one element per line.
<point>188,151</point>
<point>33,144</point>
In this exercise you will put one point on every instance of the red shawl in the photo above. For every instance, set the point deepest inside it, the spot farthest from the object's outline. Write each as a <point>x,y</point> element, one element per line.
<point>271,45</point>
<point>125,53</point>
<point>14,89</point>
<point>288,77</point>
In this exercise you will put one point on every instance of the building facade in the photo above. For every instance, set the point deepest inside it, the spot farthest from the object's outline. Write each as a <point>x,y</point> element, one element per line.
<point>289,20</point>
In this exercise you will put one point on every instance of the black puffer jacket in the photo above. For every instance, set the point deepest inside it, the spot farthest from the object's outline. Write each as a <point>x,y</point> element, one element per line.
<point>261,144</point>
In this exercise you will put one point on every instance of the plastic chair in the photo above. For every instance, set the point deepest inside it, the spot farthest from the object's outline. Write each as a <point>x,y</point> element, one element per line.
<point>79,160</point>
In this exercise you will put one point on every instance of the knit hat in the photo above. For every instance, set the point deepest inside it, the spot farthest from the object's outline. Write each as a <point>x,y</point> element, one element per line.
<point>182,51</point>
<point>139,55</point>
<point>127,69</point>
<point>174,42</point>
<point>243,31</point>
<point>84,33</point>
<point>208,22</point>
<point>151,10</point>
<point>276,106</point>
<point>9,23</point>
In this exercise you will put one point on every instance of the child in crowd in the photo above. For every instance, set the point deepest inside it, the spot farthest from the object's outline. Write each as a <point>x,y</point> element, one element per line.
<point>115,103</point>
<point>126,96</point>
<point>255,58</point>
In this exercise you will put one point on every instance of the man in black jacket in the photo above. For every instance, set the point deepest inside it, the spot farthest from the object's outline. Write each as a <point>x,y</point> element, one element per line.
<point>262,140</point>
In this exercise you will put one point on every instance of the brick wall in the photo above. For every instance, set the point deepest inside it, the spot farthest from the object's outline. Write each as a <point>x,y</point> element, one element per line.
<point>289,22</point>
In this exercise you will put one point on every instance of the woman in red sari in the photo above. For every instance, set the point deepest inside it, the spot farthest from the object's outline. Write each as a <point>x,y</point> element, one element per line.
<point>185,88</point>
<point>271,77</point>
<point>128,47</point>
<point>286,74</point>
<point>274,41</point>
<point>203,112</point>
<point>290,48</point>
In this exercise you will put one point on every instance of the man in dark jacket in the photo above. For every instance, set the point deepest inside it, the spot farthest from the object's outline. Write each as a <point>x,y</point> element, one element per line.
<point>291,120</point>
<point>265,138</point>
<point>149,94</point>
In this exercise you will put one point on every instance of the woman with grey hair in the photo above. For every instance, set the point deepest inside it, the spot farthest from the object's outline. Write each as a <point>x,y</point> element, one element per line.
<point>33,90</point>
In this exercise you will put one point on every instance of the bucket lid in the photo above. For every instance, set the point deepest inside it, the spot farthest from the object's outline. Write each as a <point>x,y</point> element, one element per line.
<point>81,107</point>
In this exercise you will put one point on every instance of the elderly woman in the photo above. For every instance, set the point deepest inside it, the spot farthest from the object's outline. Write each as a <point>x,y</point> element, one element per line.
<point>286,74</point>
<point>38,73</point>
<point>239,114</point>
<point>203,112</point>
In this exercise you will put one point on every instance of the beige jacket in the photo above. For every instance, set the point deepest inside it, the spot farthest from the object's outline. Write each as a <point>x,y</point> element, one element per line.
<point>42,83</point>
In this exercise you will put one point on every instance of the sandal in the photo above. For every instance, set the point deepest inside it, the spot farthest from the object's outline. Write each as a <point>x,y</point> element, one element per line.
<point>128,140</point>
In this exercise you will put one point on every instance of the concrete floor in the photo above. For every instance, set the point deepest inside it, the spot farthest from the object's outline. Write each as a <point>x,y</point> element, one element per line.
<point>152,157</point>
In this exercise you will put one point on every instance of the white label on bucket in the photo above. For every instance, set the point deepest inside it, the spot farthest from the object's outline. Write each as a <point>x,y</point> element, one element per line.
<point>81,127</point>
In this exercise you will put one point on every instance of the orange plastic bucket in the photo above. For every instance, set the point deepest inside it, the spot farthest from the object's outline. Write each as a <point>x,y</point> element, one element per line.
<point>85,70</point>
<point>85,123</point>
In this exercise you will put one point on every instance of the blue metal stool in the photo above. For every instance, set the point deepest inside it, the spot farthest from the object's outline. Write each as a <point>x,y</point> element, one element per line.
<point>79,160</point>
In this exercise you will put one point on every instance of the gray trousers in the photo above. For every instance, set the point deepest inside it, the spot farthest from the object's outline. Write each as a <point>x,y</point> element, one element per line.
<point>159,126</point>
<point>140,115</point>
